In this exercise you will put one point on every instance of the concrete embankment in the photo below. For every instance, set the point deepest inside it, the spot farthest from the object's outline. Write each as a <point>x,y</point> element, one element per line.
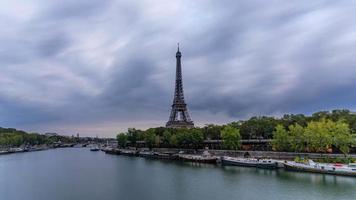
<point>259,154</point>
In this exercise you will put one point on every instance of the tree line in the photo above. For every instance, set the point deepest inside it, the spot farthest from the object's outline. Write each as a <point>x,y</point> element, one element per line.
<point>181,138</point>
<point>260,127</point>
<point>10,137</point>
<point>316,136</point>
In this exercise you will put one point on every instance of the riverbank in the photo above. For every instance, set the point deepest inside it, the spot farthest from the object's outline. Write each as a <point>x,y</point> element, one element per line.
<point>241,158</point>
<point>253,154</point>
<point>12,150</point>
<point>260,154</point>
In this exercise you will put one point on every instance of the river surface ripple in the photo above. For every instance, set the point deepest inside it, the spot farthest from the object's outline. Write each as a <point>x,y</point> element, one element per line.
<point>79,174</point>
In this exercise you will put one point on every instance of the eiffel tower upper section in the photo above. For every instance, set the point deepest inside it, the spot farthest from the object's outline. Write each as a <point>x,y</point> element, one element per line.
<point>179,117</point>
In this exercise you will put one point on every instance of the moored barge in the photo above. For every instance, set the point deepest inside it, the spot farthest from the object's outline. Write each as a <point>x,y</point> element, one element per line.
<point>321,168</point>
<point>249,162</point>
<point>204,158</point>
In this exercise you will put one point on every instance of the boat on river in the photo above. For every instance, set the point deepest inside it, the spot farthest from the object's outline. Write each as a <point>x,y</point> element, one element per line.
<point>249,162</point>
<point>16,150</point>
<point>204,158</point>
<point>156,155</point>
<point>322,168</point>
<point>146,154</point>
<point>95,148</point>
<point>110,150</point>
<point>4,152</point>
<point>165,155</point>
<point>128,152</point>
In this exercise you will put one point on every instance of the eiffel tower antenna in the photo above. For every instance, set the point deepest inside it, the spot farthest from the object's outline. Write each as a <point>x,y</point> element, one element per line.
<point>179,117</point>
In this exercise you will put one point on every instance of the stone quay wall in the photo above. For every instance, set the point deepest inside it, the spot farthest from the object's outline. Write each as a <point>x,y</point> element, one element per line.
<point>257,154</point>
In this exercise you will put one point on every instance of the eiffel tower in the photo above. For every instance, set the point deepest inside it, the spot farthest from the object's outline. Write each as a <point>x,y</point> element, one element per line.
<point>179,117</point>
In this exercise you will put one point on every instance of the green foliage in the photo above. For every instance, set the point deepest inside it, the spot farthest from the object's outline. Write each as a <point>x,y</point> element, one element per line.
<point>149,137</point>
<point>263,127</point>
<point>258,127</point>
<point>122,139</point>
<point>291,119</point>
<point>10,137</point>
<point>280,139</point>
<point>157,140</point>
<point>196,137</point>
<point>134,135</point>
<point>300,159</point>
<point>345,160</point>
<point>342,138</point>
<point>173,141</point>
<point>183,137</point>
<point>187,137</point>
<point>212,132</point>
<point>297,140</point>
<point>231,137</point>
<point>166,137</point>
<point>293,132</point>
<point>317,136</point>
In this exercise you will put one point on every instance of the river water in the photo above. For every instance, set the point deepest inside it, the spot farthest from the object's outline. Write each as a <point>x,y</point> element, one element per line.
<point>79,174</point>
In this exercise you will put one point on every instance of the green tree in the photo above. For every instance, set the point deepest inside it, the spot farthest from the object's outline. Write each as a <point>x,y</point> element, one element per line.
<point>258,127</point>
<point>166,137</point>
<point>134,135</point>
<point>157,141</point>
<point>296,138</point>
<point>17,140</point>
<point>342,137</point>
<point>211,131</point>
<point>183,137</point>
<point>173,141</point>
<point>291,119</point>
<point>231,137</point>
<point>122,139</point>
<point>196,137</point>
<point>318,135</point>
<point>149,137</point>
<point>280,140</point>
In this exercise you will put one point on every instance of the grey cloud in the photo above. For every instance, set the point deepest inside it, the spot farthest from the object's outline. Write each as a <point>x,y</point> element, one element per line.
<point>52,45</point>
<point>75,9</point>
<point>88,63</point>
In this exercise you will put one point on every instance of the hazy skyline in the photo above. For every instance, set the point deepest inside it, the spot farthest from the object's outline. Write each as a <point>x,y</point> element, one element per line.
<point>99,67</point>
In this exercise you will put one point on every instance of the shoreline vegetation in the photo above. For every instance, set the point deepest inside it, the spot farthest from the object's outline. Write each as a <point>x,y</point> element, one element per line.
<point>16,141</point>
<point>322,132</point>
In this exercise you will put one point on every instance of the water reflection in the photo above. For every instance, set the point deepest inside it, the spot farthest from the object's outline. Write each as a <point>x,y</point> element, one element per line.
<point>324,179</point>
<point>317,179</point>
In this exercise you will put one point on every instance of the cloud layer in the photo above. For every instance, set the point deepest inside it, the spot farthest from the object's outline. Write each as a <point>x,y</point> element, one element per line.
<point>97,67</point>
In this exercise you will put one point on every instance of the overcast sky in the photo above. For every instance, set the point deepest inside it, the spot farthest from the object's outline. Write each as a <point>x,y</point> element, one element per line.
<point>101,66</point>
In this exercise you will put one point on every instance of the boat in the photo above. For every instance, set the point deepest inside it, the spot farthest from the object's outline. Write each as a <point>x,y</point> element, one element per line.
<point>16,150</point>
<point>128,152</point>
<point>4,152</point>
<point>204,158</point>
<point>249,162</point>
<point>34,148</point>
<point>321,168</point>
<point>164,155</point>
<point>146,154</point>
<point>95,148</point>
<point>112,151</point>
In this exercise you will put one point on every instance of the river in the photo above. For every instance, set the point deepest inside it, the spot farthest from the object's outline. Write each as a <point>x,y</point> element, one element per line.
<point>79,174</point>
